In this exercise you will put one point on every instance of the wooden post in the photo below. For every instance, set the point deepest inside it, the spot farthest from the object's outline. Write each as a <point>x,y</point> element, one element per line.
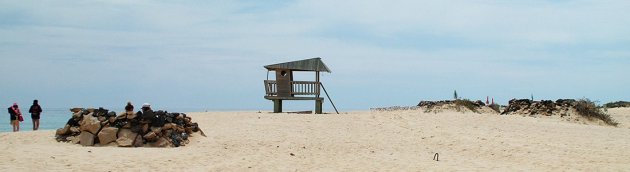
<point>318,101</point>
<point>318,106</point>
<point>277,106</point>
<point>317,81</point>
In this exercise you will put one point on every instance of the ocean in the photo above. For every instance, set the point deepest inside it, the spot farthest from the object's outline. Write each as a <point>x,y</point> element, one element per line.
<point>54,118</point>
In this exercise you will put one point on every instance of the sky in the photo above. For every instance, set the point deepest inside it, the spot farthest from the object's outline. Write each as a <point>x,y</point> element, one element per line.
<point>210,54</point>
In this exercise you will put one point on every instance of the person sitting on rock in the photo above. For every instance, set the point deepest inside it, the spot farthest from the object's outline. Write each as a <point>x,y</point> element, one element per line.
<point>146,107</point>
<point>128,114</point>
<point>146,111</point>
<point>129,107</point>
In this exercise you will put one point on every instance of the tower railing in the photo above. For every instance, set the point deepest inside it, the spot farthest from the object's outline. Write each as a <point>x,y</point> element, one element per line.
<point>297,88</point>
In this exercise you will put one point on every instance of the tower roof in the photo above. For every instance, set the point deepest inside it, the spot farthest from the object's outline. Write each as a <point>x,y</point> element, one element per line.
<point>314,64</point>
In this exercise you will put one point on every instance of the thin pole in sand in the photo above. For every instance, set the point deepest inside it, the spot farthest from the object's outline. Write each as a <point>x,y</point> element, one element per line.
<point>331,102</point>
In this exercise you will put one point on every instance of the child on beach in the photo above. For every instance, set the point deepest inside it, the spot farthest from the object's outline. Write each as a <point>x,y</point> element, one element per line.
<point>35,111</point>
<point>16,117</point>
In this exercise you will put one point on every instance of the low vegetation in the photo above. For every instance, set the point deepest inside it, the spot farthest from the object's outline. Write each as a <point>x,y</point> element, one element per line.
<point>617,104</point>
<point>467,104</point>
<point>495,107</point>
<point>588,109</point>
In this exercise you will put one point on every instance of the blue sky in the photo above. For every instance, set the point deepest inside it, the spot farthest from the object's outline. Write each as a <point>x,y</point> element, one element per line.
<point>209,54</point>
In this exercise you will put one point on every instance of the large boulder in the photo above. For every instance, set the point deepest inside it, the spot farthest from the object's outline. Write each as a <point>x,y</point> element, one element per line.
<point>86,138</point>
<point>107,135</point>
<point>64,131</point>
<point>125,138</point>
<point>90,124</point>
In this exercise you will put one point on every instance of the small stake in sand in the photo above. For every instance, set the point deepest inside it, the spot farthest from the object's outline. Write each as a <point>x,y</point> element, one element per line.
<point>436,157</point>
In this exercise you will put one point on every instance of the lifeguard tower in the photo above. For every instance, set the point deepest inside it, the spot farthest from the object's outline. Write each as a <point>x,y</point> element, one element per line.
<point>285,88</point>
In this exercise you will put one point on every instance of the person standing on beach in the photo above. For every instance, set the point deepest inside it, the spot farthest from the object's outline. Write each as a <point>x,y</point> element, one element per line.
<point>35,111</point>
<point>16,117</point>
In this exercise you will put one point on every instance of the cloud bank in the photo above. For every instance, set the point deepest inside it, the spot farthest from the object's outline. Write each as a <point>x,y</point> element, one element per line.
<point>210,54</point>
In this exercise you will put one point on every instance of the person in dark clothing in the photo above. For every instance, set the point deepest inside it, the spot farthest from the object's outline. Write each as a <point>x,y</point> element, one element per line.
<point>16,115</point>
<point>35,111</point>
<point>146,107</point>
<point>129,107</point>
<point>146,112</point>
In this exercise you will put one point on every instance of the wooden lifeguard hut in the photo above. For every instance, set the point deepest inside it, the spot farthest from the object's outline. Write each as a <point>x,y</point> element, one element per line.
<point>285,88</point>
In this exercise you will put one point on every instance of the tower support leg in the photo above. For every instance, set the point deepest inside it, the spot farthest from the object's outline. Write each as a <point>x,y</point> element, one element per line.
<point>277,106</point>
<point>318,106</point>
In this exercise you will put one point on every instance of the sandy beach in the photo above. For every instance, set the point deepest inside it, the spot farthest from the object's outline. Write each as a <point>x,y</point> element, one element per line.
<point>352,141</point>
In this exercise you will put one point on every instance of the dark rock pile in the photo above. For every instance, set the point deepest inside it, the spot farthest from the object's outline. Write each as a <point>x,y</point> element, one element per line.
<point>430,104</point>
<point>617,104</point>
<point>149,128</point>
<point>581,111</point>
<point>395,108</point>
<point>460,105</point>
<point>562,107</point>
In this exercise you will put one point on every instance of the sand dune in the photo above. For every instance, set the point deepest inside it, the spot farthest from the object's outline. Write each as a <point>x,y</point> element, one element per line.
<point>354,141</point>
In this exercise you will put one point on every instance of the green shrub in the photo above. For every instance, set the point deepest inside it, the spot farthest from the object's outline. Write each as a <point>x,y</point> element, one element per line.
<point>588,109</point>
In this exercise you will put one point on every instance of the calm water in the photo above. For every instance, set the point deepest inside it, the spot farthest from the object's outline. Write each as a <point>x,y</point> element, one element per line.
<point>54,118</point>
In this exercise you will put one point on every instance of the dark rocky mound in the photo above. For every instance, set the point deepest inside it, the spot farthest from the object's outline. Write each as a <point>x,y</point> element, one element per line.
<point>429,104</point>
<point>457,105</point>
<point>617,104</point>
<point>544,107</point>
<point>149,128</point>
<point>561,107</point>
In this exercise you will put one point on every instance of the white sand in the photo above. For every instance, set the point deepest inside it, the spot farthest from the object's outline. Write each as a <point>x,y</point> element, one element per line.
<point>357,141</point>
